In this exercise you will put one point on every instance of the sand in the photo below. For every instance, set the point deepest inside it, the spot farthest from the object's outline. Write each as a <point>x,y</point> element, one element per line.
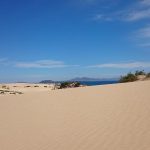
<point>27,87</point>
<point>110,117</point>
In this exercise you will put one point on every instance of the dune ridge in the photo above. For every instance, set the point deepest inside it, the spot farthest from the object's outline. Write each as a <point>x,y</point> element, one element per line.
<point>109,117</point>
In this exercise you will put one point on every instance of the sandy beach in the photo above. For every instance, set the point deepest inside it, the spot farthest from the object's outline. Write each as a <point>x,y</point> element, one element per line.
<point>109,117</point>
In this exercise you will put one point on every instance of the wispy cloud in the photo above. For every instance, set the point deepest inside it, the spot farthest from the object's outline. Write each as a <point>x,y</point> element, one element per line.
<point>98,17</point>
<point>145,2</point>
<point>143,36</point>
<point>144,32</point>
<point>123,65</point>
<point>42,64</point>
<point>35,64</point>
<point>139,10</point>
<point>144,44</point>
<point>137,15</point>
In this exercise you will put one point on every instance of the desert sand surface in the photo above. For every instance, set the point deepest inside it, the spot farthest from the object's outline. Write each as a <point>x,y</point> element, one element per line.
<point>27,87</point>
<point>110,117</point>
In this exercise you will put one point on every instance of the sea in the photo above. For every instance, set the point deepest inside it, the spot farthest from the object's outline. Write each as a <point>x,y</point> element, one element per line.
<point>92,83</point>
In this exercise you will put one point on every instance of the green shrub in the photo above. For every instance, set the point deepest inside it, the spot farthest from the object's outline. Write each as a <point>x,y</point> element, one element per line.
<point>128,78</point>
<point>69,85</point>
<point>77,84</point>
<point>137,73</point>
<point>64,85</point>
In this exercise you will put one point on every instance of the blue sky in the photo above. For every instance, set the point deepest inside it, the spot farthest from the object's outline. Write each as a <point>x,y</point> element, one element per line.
<point>63,39</point>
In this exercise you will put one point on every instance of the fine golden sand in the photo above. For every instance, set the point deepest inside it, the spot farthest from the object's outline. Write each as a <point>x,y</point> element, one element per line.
<point>110,117</point>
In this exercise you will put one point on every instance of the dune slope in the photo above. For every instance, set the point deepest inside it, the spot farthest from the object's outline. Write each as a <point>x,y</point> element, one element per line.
<point>110,117</point>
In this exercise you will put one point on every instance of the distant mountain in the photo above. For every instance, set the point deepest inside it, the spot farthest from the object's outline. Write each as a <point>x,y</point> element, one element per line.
<point>22,82</point>
<point>47,81</point>
<point>92,79</point>
<point>80,79</point>
<point>84,79</point>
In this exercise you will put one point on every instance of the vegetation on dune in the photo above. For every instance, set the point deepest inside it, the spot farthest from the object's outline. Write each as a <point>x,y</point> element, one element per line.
<point>27,86</point>
<point>64,85</point>
<point>69,85</point>
<point>36,86</point>
<point>148,75</point>
<point>137,73</point>
<point>131,77</point>
<point>5,87</point>
<point>77,84</point>
<point>128,78</point>
<point>9,92</point>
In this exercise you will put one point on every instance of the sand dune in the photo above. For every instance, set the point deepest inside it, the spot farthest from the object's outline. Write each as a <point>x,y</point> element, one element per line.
<point>110,117</point>
<point>27,87</point>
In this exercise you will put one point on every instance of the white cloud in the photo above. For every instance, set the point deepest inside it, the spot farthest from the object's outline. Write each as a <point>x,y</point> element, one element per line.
<point>138,11</point>
<point>144,32</point>
<point>143,36</point>
<point>42,64</point>
<point>145,45</point>
<point>145,2</point>
<point>123,65</point>
<point>137,15</point>
<point>35,64</point>
<point>98,17</point>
